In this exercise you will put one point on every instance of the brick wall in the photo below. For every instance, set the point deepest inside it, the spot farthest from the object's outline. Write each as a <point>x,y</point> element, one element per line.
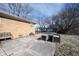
<point>16,27</point>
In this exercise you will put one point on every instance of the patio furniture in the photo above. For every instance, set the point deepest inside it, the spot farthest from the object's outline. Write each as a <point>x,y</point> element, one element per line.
<point>43,37</point>
<point>50,38</point>
<point>56,38</point>
<point>5,36</point>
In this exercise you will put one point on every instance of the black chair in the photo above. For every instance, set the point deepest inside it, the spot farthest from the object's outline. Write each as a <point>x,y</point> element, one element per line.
<point>50,38</point>
<point>43,37</point>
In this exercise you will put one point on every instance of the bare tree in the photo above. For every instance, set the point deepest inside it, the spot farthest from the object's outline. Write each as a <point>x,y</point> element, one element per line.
<point>2,7</point>
<point>19,9</point>
<point>68,18</point>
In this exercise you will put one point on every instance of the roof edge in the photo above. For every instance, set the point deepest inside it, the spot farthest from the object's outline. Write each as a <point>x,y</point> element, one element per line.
<point>13,17</point>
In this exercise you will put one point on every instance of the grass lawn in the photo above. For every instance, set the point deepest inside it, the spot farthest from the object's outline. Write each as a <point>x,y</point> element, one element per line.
<point>69,46</point>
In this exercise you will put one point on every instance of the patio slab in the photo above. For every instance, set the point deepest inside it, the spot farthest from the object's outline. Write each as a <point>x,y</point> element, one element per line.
<point>27,47</point>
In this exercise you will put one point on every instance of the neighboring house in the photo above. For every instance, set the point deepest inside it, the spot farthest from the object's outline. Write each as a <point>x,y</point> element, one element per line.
<point>49,30</point>
<point>15,25</point>
<point>38,30</point>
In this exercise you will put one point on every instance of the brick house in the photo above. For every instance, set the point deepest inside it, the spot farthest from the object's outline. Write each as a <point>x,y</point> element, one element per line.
<point>15,25</point>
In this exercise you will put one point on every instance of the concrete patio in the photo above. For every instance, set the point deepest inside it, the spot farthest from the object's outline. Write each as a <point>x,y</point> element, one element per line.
<point>27,47</point>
